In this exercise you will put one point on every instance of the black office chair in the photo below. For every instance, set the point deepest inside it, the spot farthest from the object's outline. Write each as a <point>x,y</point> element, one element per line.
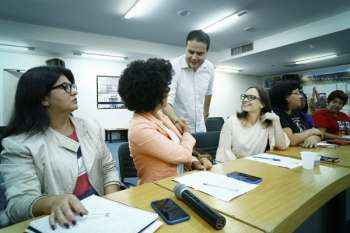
<point>207,142</point>
<point>214,123</point>
<point>2,129</point>
<point>4,220</point>
<point>126,165</point>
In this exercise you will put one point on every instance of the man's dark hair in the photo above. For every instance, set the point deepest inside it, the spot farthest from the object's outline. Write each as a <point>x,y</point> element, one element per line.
<point>338,94</point>
<point>280,91</point>
<point>200,36</point>
<point>55,62</point>
<point>144,84</point>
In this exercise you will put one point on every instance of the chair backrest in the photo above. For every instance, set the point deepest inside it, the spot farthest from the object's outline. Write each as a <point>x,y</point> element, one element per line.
<point>207,142</point>
<point>126,164</point>
<point>2,199</point>
<point>214,123</point>
<point>4,220</point>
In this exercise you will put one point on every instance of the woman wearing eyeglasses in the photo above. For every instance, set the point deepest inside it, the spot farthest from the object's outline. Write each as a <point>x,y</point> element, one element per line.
<point>286,102</point>
<point>50,159</point>
<point>253,130</point>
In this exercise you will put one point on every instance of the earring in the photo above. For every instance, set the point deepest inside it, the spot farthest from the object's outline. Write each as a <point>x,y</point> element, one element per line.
<point>45,103</point>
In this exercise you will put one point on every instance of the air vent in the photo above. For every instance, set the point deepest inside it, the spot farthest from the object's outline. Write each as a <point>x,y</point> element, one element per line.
<point>241,49</point>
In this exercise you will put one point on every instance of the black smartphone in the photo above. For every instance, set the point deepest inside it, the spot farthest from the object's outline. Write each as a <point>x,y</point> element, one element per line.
<point>329,159</point>
<point>169,211</point>
<point>244,177</point>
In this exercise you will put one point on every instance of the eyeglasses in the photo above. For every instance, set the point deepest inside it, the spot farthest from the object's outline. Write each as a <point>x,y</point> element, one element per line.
<point>249,97</point>
<point>67,87</point>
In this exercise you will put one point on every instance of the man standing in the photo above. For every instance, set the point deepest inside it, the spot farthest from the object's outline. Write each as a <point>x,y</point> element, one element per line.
<point>192,85</point>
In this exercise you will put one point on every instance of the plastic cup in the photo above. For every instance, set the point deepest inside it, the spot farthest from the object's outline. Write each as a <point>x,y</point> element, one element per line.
<point>310,159</point>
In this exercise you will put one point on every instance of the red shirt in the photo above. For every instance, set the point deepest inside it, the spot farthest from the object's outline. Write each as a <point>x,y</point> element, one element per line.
<point>332,124</point>
<point>83,188</point>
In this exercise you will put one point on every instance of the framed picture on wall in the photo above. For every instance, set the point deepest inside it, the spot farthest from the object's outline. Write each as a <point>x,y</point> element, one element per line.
<point>107,93</point>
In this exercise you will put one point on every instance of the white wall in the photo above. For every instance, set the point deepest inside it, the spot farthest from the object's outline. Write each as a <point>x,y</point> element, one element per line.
<point>85,71</point>
<point>225,101</point>
<point>227,91</point>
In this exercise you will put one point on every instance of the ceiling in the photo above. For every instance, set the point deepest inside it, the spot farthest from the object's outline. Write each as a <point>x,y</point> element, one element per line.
<point>278,60</point>
<point>161,24</point>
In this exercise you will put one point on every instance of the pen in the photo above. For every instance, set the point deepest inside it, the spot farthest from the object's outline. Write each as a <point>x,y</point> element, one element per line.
<point>222,187</point>
<point>94,215</point>
<point>32,229</point>
<point>260,157</point>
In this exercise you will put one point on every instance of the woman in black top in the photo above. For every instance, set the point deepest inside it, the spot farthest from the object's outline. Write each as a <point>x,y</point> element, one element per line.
<point>286,102</point>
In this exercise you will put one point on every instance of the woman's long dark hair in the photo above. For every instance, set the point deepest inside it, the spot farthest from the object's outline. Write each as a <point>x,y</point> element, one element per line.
<point>279,93</point>
<point>265,101</point>
<point>29,115</point>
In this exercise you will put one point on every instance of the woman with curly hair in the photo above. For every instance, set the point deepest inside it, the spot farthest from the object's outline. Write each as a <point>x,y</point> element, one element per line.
<point>286,103</point>
<point>158,149</point>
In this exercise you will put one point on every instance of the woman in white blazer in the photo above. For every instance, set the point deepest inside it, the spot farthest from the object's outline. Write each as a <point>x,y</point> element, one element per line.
<point>49,158</point>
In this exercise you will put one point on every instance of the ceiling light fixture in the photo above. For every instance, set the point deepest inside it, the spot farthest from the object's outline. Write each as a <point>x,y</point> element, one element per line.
<point>221,23</point>
<point>184,12</point>
<point>314,59</point>
<point>15,47</point>
<point>139,7</point>
<point>227,69</point>
<point>101,56</point>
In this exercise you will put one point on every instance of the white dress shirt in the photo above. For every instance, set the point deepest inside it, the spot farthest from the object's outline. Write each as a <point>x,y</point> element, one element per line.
<point>180,167</point>
<point>188,90</point>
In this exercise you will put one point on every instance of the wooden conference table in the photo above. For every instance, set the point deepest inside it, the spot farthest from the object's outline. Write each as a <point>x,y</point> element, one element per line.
<point>281,203</point>
<point>284,199</point>
<point>342,152</point>
<point>141,197</point>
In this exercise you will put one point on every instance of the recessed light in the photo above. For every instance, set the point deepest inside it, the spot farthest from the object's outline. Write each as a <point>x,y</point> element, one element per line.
<point>314,59</point>
<point>15,47</point>
<point>248,29</point>
<point>184,12</point>
<point>221,23</point>
<point>140,8</point>
<point>227,69</point>
<point>100,55</point>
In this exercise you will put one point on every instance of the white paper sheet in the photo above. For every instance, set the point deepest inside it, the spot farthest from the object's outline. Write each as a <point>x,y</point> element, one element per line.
<point>276,160</point>
<point>216,185</point>
<point>326,145</point>
<point>106,216</point>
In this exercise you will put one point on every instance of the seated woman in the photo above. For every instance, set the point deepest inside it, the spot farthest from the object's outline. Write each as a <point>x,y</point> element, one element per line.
<point>251,131</point>
<point>286,103</point>
<point>304,107</point>
<point>158,149</point>
<point>51,159</point>
<point>331,121</point>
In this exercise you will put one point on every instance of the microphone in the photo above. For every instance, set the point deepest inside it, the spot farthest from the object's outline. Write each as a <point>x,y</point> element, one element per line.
<point>214,219</point>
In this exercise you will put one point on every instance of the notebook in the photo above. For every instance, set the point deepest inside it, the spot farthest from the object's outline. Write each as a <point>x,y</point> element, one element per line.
<point>276,160</point>
<point>106,216</point>
<point>217,185</point>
